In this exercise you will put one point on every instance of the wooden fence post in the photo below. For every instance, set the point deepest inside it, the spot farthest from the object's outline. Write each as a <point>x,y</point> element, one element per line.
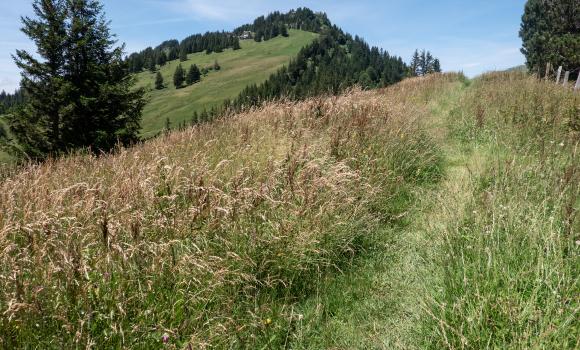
<point>547,71</point>
<point>566,77</point>
<point>577,87</point>
<point>558,75</point>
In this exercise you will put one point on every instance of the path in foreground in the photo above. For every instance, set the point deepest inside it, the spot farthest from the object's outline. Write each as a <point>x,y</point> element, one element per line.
<point>488,256</point>
<point>377,304</point>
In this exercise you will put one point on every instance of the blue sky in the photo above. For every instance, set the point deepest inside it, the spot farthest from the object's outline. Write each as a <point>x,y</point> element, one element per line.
<point>473,36</point>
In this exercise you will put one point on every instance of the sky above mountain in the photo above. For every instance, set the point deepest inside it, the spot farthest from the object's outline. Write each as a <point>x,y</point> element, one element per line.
<point>470,36</point>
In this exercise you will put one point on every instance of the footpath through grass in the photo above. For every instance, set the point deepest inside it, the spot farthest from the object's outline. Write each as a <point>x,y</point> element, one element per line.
<point>376,304</point>
<point>434,214</point>
<point>488,256</point>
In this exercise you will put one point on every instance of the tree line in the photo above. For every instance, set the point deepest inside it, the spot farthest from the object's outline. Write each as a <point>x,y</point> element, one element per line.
<point>331,64</point>
<point>263,28</point>
<point>424,63</point>
<point>190,77</point>
<point>9,101</point>
<point>277,23</point>
<point>151,58</point>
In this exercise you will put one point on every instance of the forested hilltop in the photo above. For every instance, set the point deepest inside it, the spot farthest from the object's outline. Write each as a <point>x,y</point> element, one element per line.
<point>331,64</point>
<point>262,29</point>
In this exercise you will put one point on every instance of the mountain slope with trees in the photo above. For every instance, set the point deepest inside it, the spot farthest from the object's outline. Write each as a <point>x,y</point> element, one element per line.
<point>333,62</point>
<point>252,64</point>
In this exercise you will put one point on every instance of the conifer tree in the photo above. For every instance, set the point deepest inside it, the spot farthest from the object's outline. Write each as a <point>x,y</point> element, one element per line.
<point>423,63</point>
<point>193,75</point>
<point>415,64</point>
<point>167,125</point>
<point>182,55</point>
<point>550,33</point>
<point>195,118</point>
<point>162,59</point>
<point>151,65</point>
<point>436,66</point>
<point>173,54</point>
<point>428,63</point>
<point>78,88</point>
<point>159,81</point>
<point>283,30</point>
<point>178,77</point>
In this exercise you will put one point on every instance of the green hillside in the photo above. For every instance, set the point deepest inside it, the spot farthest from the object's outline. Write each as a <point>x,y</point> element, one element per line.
<point>254,63</point>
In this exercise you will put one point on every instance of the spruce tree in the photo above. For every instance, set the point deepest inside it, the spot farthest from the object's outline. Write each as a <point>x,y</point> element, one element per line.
<point>151,65</point>
<point>173,53</point>
<point>436,66</point>
<point>415,64</point>
<point>178,77</point>
<point>193,75</point>
<point>194,118</point>
<point>550,33</point>
<point>183,54</point>
<point>284,30</point>
<point>428,63</point>
<point>79,90</point>
<point>423,63</point>
<point>162,58</point>
<point>159,81</point>
<point>167,125</point>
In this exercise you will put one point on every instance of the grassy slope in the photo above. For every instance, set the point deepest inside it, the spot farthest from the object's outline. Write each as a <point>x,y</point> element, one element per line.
<point>252,64</point>
<point>376,304</point>
<point>488,258</point>
<point>210,235</point>
<point>238,221</point>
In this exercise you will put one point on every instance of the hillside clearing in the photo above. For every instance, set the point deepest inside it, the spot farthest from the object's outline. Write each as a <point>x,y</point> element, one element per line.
<point>253,64</point>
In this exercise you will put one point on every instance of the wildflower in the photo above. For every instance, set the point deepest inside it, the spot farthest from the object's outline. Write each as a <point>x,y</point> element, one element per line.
<point>267,321</point>
<point>165,338</point>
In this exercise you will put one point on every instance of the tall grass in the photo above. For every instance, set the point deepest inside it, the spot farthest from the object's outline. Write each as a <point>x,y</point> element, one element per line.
<point>511,265</point>
<point>207,237</point>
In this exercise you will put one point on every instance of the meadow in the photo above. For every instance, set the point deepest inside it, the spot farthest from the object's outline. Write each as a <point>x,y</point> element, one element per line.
<point>436,213</point>
<point>207,236</point>
<point>253,64</point>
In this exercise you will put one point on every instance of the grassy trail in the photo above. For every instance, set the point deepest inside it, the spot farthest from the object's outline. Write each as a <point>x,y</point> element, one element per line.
<point>378,303</point>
